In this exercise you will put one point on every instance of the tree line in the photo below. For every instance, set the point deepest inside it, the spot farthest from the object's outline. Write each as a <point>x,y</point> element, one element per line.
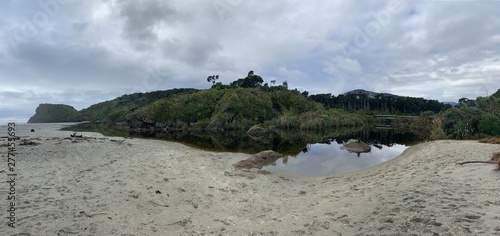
<point>379,103</point>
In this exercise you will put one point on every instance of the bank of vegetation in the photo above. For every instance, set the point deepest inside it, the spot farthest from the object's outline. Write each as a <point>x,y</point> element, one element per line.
<point>471,119</point>
<point>249,101</point>
<point>230,108</point>
<point>117,109</point>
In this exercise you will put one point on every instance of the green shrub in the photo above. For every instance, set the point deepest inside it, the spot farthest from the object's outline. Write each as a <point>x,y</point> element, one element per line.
<point>437,134</point>
<point>490,124</point>
<point>461,123</point>
<point>462,129</point>
<point>288,120</point>
<point>291,100</point>
<point>186,107</point>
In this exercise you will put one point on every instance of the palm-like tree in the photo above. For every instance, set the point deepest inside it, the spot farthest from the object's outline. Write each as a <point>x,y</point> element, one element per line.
<point>212,78</point>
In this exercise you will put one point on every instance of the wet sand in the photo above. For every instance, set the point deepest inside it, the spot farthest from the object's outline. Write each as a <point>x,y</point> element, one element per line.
<point>113,186</point>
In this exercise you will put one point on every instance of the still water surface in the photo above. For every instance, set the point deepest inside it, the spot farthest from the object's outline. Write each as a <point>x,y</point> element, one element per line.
<point>329,159</point>
<point>312,153</point>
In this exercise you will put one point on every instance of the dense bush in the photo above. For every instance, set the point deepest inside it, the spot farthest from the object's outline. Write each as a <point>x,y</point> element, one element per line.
<point>291,100</point>
<point>319,119</point>
<point>489,104</point>
<point>189,107</point>
<point>465,122</point>
<point>462,122</point>
<point>241,108</point>
<point>490,125</point>
<point>118,108</point>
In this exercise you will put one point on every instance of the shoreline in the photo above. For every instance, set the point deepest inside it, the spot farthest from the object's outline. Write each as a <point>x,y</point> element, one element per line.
<point>114,186</point>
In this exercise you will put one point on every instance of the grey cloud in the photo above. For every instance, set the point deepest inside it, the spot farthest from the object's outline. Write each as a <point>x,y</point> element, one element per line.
<point>80,26</point>
<point>112,46</point>
<point>142,17</point>
<point>194,51</point>
<point>73,65</point>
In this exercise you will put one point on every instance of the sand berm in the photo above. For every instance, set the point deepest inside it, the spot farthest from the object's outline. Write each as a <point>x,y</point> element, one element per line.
<point>100,185</point>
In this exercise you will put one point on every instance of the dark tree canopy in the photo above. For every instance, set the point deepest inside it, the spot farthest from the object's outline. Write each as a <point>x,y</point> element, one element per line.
<point>250,81</point>
<point>378,103</point>
<point>213,78</point>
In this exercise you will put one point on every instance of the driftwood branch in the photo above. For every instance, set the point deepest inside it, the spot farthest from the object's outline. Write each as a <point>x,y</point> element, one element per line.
<point>495,159</point>
<point>468,162</point>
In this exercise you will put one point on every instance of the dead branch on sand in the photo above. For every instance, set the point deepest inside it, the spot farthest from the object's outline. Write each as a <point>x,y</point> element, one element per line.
<point>495,159</point>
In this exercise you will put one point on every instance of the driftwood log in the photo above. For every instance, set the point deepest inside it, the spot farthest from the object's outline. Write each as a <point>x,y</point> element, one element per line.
<point>74,135</point>
<point>495,159</point>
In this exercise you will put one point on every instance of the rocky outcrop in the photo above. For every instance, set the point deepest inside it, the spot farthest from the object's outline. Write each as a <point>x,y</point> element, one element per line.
<point>357,146</point>
<point>259,160</point>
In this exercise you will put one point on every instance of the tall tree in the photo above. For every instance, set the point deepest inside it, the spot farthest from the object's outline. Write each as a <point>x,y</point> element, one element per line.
<point>212,78</point>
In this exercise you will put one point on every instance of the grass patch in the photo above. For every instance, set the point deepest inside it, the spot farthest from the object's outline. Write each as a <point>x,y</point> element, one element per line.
<point>492,140</point>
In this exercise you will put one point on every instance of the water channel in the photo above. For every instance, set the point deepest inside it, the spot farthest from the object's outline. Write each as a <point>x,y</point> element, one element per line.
<point>312,153</point>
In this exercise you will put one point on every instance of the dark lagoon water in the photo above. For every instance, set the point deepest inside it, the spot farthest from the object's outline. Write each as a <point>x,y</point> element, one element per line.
<point>312,153</point>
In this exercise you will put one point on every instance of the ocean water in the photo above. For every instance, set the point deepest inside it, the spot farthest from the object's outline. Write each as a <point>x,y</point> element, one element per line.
<point>41,130</point>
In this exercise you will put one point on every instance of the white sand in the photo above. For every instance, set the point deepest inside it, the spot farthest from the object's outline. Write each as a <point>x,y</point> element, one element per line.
<point>108,186</point>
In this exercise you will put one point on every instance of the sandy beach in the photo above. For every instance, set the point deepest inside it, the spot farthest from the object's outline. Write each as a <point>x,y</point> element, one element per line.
<point>99,185</point>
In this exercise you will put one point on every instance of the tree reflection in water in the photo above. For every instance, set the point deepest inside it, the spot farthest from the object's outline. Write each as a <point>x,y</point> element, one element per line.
<point>315,153</point>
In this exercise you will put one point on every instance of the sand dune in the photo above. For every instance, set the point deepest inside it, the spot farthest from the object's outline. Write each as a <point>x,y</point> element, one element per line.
<point>115,186</point>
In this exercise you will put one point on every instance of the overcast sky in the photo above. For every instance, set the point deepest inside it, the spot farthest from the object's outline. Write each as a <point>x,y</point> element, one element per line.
<point>83,52</point>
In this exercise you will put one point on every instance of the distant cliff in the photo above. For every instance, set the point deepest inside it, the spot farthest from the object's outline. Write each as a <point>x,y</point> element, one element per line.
<point>53,113</point>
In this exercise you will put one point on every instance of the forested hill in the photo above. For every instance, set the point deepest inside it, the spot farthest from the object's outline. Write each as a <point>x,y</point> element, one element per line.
<point>54,113</point>
<point>238,105</point>
<point>248,101</point>
<point>118,108</point>
<point>113,110</point>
